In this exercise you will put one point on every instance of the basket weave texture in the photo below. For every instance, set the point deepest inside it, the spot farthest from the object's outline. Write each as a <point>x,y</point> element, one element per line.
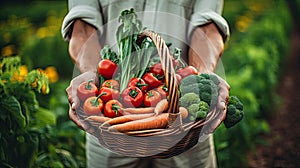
<point>177,138</point>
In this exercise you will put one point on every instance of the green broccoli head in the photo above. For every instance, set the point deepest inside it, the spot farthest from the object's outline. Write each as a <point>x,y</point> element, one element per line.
<point>198,111</point>
<point>204,87</point>
<point>208,91</point>
<point>188,99</point>
<point>235,112</point>
<point>211,77</point>
<point>189,80</point>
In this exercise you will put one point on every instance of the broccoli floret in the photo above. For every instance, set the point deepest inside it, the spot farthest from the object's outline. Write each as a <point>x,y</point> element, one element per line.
<point>204,76</point>
<point>204,106</point>
<point>211,77</point>
<point>201,114</point>
<point>205,88</point>
<point>188,99</point>
<point>234,112</point>
<point>198,111</point>
<point>209,92</point>
<point>214,78</point>
<point>193,88</point>
<point>189,80</point>
<point>205,96</point>
<point>193,108</point>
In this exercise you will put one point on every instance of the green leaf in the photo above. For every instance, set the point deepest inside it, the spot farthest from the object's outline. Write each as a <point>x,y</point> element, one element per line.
<point>45,117</point>
<point>12,106</point>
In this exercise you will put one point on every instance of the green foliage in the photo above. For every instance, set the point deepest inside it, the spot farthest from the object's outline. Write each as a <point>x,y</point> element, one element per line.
<point>19,109</point>
<point>31,135</point>
<point>252,63</point>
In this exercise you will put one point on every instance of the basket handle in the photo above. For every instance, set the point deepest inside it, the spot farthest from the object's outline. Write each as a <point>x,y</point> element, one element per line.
<point>170,75</point>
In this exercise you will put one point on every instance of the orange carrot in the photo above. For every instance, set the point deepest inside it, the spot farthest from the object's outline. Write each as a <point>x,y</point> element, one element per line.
<point>157,121</point>
<point>97,118</point>
<point>184,112</point>
<point>139,110</point>
<point>161,106</point>
<point>127,118</point>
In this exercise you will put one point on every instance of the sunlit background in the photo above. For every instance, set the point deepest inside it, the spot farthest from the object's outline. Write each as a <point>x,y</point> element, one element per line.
<point>36,130</point>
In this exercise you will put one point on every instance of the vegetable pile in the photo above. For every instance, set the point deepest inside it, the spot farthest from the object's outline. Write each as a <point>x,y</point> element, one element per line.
<point>132,93</point>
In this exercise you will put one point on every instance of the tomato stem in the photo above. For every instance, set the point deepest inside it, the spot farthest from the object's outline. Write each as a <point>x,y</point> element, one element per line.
<point>133,93</point>
<point>150,94</point>
<point>95,102</point>
<point>115,108</point>
<point>88,86</point>
<point>140,85</point>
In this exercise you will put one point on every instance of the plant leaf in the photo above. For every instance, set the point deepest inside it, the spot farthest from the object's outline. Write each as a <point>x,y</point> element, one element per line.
<point>12,106</point>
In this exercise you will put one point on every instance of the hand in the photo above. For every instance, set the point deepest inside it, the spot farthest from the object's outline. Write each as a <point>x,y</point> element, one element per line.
<point>206,48</point>
<point>220,109</point>
<point>74,101</point>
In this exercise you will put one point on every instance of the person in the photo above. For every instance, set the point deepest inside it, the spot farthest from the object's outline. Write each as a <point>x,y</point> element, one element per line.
<point>195,26</point>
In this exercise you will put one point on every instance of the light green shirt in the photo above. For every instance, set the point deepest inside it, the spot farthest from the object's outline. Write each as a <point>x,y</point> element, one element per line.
<point>174,20</point>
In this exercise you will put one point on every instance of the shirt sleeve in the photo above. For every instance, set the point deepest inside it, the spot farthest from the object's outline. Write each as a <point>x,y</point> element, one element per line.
<point>88,11</point>
<point>206,11</point>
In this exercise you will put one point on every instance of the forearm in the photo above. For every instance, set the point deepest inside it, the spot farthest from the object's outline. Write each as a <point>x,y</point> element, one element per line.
<point>84,46</point>
<point>206,47</point>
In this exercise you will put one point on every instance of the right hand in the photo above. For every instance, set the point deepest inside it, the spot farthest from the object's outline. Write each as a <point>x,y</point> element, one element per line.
<point>73,99</point>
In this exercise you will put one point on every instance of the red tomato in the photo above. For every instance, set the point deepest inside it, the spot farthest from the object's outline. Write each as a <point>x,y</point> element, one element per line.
<point>107,68</point>
<point>151,98</point>
<point>157,69</point>
<point>132,96</point>
<point>93,106</point>
<point>87,89</point>
<point>111,83</point>
<point>113,109</point>
<point>109,93</point>
<point>186,71</point>
<point>151,80</point>
<point>163,91</point>
<point>140,83</point>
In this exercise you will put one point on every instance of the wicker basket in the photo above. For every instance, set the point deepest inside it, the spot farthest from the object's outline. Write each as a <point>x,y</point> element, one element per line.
<point>156,143</point>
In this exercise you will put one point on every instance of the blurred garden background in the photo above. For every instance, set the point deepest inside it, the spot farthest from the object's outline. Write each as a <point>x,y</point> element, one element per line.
<point>261,62</point>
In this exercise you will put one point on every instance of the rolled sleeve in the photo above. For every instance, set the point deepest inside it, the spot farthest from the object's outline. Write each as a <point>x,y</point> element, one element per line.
<point>86,13</point>
<point>207,11</point>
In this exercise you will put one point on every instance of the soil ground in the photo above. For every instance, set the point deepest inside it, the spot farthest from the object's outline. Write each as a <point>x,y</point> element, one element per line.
<point>283,141</point>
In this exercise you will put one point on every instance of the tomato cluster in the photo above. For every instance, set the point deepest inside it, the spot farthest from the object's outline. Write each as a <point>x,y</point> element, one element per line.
<point>146,91</point>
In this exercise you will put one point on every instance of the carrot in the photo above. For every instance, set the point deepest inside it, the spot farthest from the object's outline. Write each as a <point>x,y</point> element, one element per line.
<point>126,118</point>
<point>96,118</point>
<point>140,110</point>
<point>157,121</point>
<point>161,106</point>
<point>184,112</point>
